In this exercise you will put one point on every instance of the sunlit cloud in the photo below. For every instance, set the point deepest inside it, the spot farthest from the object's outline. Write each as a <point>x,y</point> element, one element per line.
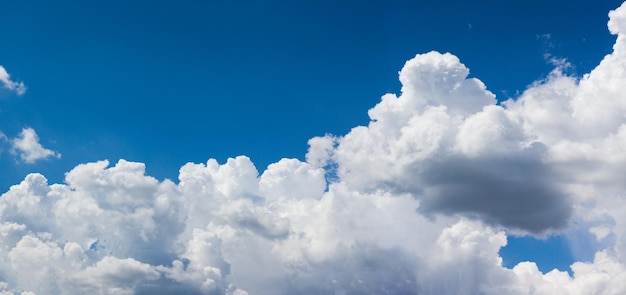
<point>18,87</point>
<point>27,146</point>
<point>419,201</point>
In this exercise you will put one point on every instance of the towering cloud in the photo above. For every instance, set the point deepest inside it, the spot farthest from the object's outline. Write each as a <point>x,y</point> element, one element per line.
<point>419,201</point>
<point>444,141</point>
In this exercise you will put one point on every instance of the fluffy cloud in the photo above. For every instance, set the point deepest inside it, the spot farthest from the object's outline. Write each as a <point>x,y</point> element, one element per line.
<point>7,83</point>
<point>27,143</point>
<point>28,147</point>
<point>446,143</point>
<point>420,201</point>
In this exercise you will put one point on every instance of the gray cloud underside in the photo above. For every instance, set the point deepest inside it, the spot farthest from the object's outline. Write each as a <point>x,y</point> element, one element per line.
<point>420,201</point>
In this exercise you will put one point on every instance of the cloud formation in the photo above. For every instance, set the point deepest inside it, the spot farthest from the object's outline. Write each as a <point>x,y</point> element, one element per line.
<point>420,201</point>
<point>446,142</point>
<point>9,84</point>
<point>27,146</point>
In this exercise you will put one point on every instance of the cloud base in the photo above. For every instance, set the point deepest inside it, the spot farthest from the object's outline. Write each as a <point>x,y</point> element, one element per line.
<point>419,201</point>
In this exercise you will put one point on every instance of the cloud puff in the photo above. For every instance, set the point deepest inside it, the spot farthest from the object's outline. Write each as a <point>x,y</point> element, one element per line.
<point>420,201</point>
<point>444,141</point>
<point>28,147</point>
<point>160,237</point>
<point>7,83</point>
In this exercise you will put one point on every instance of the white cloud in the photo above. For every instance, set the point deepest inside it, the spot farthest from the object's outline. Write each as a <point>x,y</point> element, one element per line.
<point>444,141</point>
<point>420,201</point>
<point>7,83</point>
<point>28,147</point>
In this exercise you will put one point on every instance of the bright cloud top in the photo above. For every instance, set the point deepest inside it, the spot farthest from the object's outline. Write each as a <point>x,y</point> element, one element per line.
<point>446,143</point>
<point>420,201</point>
<point>28,147</point>
<point>7,83</point>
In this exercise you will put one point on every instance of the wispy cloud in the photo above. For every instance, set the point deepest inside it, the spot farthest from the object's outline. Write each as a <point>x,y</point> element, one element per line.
<point>27,146</point>
<point>5,79</point>
<point>3,140</point>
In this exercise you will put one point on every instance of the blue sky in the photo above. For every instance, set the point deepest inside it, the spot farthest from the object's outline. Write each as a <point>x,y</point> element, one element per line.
<point>165,83</point>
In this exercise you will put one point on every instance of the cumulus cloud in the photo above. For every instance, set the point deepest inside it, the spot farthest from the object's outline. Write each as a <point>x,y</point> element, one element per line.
<point>446,142</point>
<point>28,147</point>
<point>9,84</point>
<point>419,201</point>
